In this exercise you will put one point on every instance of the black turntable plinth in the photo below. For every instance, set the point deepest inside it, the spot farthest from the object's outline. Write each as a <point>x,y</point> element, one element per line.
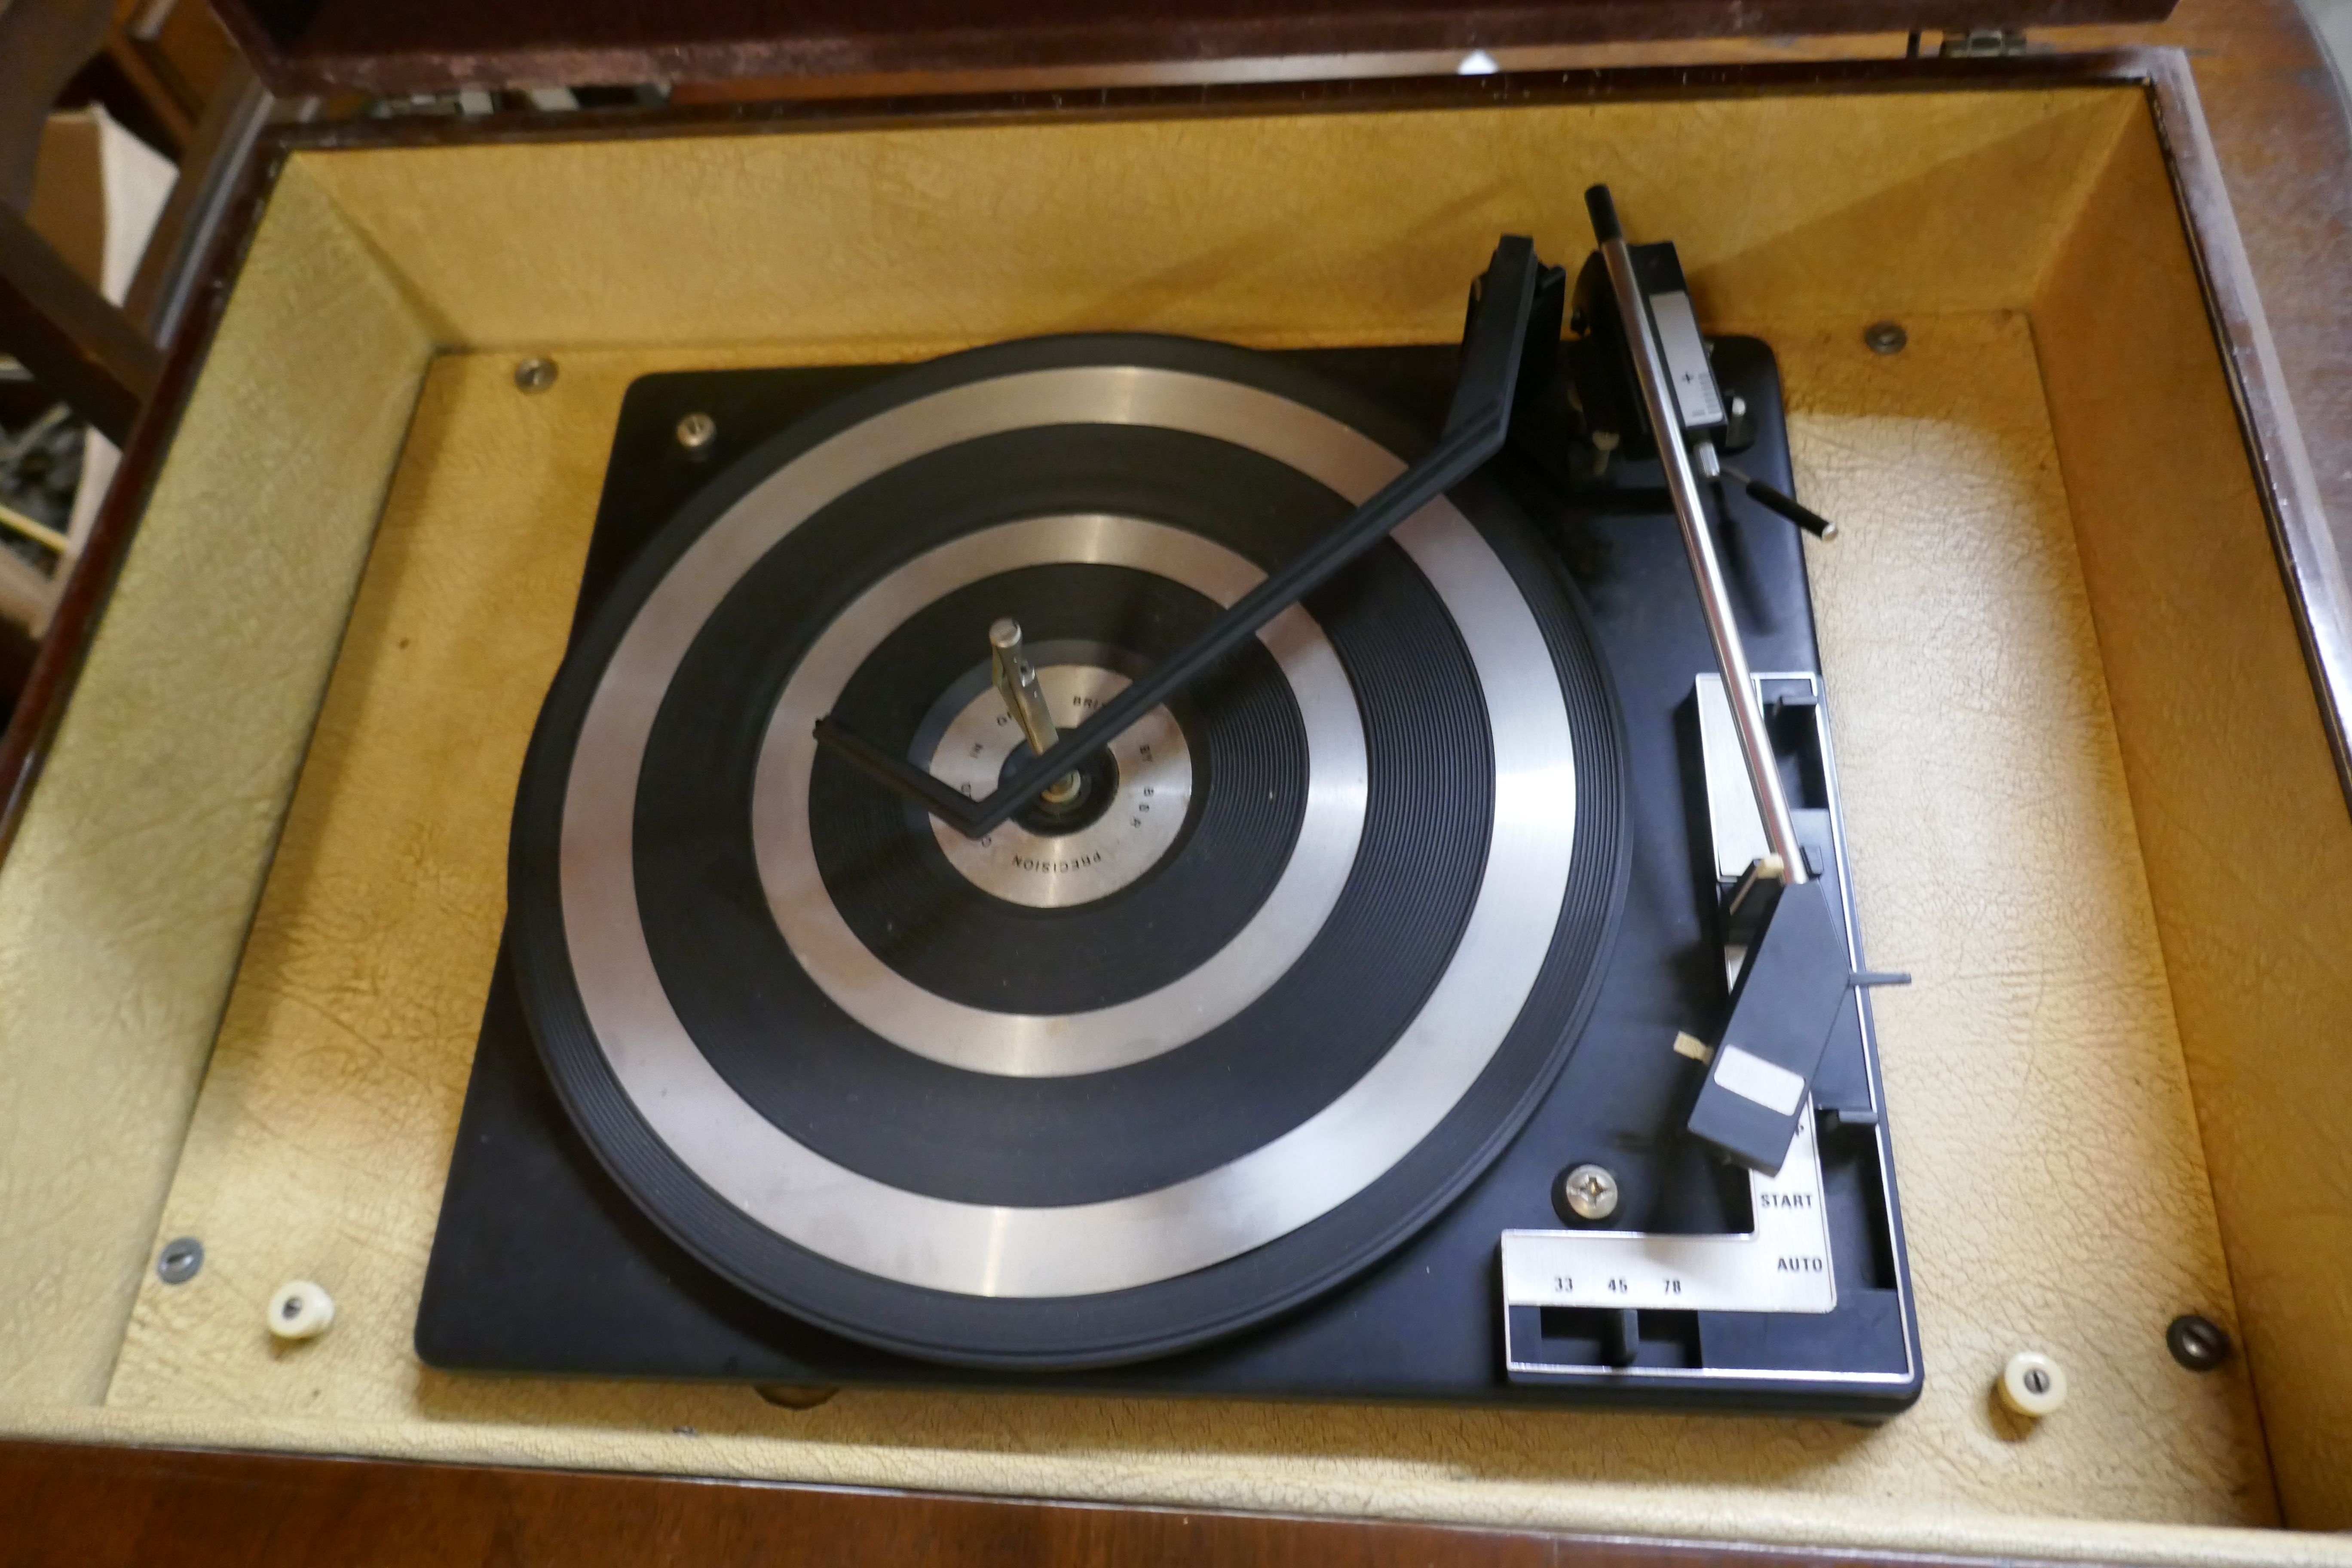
<point>1336,1024</point>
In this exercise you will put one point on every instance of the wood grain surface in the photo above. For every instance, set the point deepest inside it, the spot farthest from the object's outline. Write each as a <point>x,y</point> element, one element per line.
<point>110,1508</point>
<point>317,46</point>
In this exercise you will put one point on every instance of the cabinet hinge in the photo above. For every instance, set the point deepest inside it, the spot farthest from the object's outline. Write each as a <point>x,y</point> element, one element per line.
<point>1983,43</point>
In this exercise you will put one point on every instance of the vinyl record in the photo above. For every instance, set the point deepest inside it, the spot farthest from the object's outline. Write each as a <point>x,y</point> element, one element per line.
<point>1129,1074</point>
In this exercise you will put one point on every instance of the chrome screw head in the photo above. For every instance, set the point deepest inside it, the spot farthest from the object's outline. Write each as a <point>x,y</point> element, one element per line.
<point>697,431</point>
<point>1590,1191</point>
<point>1886,337</point>
<point>180,1260</point>
<point>535,375</point>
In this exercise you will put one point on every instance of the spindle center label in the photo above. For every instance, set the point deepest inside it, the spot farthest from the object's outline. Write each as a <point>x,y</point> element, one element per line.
<point>1150,780</point>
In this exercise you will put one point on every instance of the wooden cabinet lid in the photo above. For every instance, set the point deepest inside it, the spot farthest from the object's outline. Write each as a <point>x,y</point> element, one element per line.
<point>420,46</point>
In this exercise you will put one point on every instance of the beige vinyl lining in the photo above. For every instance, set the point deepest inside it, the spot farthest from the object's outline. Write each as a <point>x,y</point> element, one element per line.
<point>124,900</point>
<point>2025,838</point>
<point>2241,824</point>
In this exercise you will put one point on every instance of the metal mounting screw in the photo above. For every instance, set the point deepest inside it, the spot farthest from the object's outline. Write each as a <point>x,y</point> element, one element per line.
<point>1590,1191</point>
<point>697,431</point>
<point>2196,1341</point>
<point>180,1260</point>
<point>535,375</point>
<point>1886,337</point>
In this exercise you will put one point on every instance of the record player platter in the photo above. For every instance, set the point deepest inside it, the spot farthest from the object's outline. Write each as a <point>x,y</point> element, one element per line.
<point>1124,1073</point>
<point>1130,861</point>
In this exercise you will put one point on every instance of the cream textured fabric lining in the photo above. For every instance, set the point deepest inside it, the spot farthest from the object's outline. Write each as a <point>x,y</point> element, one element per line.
<point>2242,821</point>
<point>126,893</point>
<point>2039,1043</point>
<point>1286,228</point>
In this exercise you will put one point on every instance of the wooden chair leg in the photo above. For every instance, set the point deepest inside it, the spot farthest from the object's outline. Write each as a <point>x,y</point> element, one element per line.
<point>42,43</point>
<point>76,344</point>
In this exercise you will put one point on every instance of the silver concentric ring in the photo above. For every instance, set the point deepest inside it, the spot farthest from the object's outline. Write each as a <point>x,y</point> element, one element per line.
<point>1022,1045</point>
<point>1001,1251</point>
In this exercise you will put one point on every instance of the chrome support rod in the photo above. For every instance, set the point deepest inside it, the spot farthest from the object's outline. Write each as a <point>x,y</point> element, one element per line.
<point>1690,511</point>
<point>1024,700</point>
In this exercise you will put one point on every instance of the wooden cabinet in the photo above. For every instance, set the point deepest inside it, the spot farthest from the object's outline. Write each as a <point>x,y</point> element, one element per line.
<point>348,539</point>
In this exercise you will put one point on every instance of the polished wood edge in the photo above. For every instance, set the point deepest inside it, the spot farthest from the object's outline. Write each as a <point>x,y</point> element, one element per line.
<point>1742,79</point>
<point>96,1507</point>
<point>210,167</point>
<point>41,706</point>
<point>1079,39</point>
<point>2311,560</point>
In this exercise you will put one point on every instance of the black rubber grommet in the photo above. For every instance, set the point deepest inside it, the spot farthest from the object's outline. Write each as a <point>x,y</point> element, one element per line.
<point>2196,1341</point>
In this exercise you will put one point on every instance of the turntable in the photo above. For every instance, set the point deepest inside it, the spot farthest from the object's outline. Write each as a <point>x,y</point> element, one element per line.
<point>1131,863</point>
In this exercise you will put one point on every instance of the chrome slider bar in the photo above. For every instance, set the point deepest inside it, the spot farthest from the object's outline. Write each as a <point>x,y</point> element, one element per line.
<point>1698,538</point>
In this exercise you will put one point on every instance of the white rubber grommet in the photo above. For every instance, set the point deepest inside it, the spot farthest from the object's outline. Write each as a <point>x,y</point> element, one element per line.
<point>2033,1384</point>
<point>300,1310</point>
